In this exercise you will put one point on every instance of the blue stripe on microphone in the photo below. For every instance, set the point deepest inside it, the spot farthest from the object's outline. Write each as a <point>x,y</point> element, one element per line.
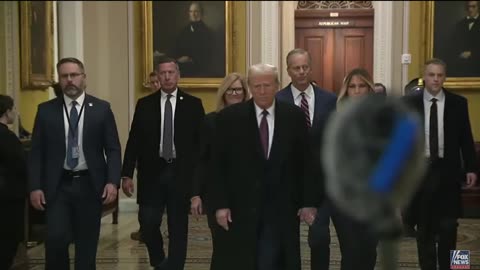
<point>393,159</point>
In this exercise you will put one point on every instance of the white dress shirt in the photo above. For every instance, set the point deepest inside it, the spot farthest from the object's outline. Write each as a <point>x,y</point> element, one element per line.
<point>82,163</point>
<point>173,101</point>
<point>470,25</point>
<point>270,121</point>
<point>309,95</point>
<point>427,103</point>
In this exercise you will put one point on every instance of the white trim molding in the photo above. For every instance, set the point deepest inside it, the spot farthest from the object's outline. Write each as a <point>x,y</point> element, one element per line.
<point>70,29</point>
<point>383,42</point>
<point>270,23</point>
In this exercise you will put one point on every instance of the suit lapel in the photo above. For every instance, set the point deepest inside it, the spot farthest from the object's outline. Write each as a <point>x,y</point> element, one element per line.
<point>254,130</point>
<point>87,114</point>
<point>179,112</point>
<point>317,109</point>
<point>277,133</point>
<point>60,121</point>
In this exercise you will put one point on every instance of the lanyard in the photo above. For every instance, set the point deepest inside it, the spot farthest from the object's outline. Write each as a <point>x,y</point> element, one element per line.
<point>73,129</point>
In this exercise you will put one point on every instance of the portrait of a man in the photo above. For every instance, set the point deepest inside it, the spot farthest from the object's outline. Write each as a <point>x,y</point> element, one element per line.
<point>193,33</point>
<point>457,37</point>
<point>37,42</point>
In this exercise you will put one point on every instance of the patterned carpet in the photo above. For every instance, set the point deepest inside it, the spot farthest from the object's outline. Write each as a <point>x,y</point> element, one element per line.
<point>117,251</point>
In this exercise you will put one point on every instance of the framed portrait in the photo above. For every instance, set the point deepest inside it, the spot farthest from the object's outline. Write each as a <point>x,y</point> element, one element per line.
<point>454,36</point>
<point>197,34</point>
<point>36,44</point>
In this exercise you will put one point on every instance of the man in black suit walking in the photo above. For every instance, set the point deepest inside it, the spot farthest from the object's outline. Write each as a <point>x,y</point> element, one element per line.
<point>74,167</point>
<point>449,153</point>
<point>262,180</point>
<point>163,144</point>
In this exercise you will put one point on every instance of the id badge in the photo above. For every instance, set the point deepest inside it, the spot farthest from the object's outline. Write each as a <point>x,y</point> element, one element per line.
<point>75,152</point>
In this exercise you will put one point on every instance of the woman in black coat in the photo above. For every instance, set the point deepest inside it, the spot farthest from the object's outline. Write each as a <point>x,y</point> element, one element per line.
<point>12,184</point>
<point>234,89</point>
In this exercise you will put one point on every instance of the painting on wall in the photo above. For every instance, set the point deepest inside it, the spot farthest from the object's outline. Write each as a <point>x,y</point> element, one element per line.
<point>196,34</point>
<point>36,42</point>
<point>453,35</point>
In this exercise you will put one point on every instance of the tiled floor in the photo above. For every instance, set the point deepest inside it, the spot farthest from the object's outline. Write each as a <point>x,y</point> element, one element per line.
<point>117,251</point>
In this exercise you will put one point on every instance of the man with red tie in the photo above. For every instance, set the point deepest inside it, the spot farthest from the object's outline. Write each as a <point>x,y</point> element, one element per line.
<point>262,181</point>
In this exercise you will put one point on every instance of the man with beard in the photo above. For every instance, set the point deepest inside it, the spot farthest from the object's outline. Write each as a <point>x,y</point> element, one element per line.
<point>74,168</point>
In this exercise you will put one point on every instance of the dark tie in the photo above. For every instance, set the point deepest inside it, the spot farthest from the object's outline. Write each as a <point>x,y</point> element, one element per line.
<point>471,20</point>
<point>167,130</point>
<point>305,109</point>
<point>264,133</point>
<point>433,130</point>
<point>72,147</point>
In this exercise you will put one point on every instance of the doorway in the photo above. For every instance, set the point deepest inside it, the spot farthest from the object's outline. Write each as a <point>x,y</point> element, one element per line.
<point>338,41</point>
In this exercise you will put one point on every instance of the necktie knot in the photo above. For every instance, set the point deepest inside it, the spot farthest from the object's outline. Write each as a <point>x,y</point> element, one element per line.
<point>265,113</point>
<point>74,103</point>
<point>169,96</point>
<point>433,100</point>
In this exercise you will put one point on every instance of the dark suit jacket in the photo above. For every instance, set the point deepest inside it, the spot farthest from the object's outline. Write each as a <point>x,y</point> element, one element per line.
<point>459,151</point>
<point>143,145</point>
<point>13,176</point>
<point>255,188</point>
<point>202,171</point>
<point>325,104</point>
<point>101,146</point>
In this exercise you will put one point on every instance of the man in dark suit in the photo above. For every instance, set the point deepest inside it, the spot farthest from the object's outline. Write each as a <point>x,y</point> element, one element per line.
<point>74,166</point>
<point>262,180</point>
<point>163,144</point>
<point>449,153</point>
<point>466,43</point>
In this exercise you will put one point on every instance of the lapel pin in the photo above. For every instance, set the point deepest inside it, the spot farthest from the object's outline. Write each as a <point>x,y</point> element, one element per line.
<point>181,97</point>
<point>90,104</point>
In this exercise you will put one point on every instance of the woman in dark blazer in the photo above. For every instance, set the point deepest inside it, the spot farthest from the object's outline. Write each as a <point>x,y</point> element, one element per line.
<point>13,183</point>
<point>233,90</point>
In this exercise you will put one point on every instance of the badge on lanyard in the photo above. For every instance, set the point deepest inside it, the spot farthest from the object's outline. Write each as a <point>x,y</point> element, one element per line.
<point>75,152</point>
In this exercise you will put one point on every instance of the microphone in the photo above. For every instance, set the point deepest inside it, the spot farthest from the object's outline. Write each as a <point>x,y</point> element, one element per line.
<point>373,158</point>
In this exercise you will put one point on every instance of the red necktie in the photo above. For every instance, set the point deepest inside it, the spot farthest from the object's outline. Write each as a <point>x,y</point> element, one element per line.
<point>306,111</point>
<point>264,133</point>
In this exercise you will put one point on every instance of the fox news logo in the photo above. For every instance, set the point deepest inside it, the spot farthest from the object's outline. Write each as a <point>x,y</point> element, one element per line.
<point>459,259</point>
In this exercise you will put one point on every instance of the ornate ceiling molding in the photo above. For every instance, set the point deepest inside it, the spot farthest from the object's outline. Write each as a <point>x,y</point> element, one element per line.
<point>334,4</point>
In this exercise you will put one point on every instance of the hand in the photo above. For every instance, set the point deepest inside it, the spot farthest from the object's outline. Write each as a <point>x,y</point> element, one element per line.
<point>471,180</point>
<point>109,193</point>
<point>307,214</point>
<point>37,198</point>
<point>127,186</point>
<point>466,54</point>
<point>223,217</point>
<point>196,206</point>
<point>184,59</point>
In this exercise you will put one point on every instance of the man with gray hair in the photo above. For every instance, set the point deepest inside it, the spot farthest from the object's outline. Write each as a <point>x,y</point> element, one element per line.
<point>262,180</point>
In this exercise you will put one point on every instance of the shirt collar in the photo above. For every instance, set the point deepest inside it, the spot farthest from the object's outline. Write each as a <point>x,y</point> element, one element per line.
<point>270,110</point>
<point>80,99</point>
<point>308,92</point>
<point>427,96</point>
<point>476,17</point>
<point>174,93</point>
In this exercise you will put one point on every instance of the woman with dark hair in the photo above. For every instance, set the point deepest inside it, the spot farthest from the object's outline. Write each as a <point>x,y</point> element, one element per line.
<point>13,181</point>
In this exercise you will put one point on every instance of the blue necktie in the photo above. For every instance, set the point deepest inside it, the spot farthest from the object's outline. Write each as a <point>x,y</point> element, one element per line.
<point>72,161</point>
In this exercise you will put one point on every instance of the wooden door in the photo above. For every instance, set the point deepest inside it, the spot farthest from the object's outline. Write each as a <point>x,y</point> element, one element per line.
<point>337,44</point>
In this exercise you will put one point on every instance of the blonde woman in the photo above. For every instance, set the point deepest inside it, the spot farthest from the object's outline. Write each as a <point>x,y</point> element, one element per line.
<point>233,90</point>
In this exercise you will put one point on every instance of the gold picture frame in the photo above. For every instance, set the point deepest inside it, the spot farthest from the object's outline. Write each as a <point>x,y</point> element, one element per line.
<point>178,11</point>
<point>36,44</point>
<point>437,39</point>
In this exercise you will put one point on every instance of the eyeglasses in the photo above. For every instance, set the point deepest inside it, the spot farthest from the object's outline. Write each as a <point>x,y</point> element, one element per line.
<point>236,91</point>
<point>70,75</point>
